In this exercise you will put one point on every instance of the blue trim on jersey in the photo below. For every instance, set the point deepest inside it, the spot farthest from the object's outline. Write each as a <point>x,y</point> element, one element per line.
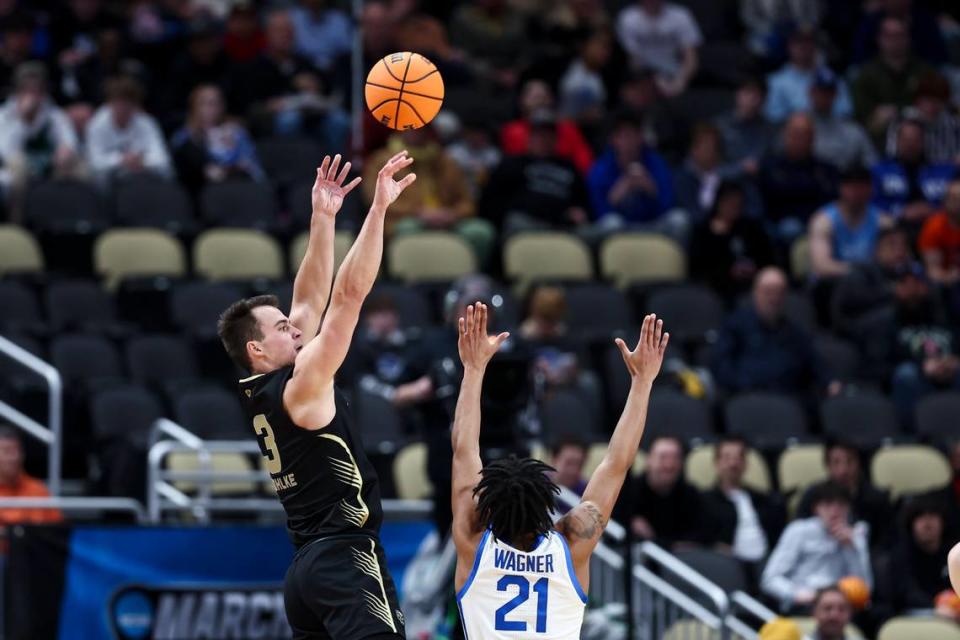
<point>476,565</point>
<point>573,574</point>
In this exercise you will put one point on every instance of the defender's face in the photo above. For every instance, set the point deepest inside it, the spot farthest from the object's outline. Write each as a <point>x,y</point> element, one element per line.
<point>281,340</point>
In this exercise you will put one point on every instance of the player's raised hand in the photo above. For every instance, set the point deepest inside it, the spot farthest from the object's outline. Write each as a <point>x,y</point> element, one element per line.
<point>644,361</point>
<point>475,346</point>
<point>328,190</point>
<point>388,189</point>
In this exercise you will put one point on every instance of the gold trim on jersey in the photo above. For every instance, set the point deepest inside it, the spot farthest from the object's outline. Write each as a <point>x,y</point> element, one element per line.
<point>349,474</point>
<point>253,377</point>
<point>368,564</point>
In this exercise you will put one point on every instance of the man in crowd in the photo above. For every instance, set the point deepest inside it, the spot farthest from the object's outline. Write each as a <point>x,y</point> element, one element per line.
<point>664,37</point>
<point>16,483</point>
<point>831,613</point>
<point>666,509</point>
<point>939,242</point>
<point>839,140</point>
<point>790,87</point>
<point>745,130</point>
<point>568,456</point>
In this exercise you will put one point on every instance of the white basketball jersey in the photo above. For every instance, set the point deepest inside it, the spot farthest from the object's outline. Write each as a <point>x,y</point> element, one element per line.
<point>514,595</point>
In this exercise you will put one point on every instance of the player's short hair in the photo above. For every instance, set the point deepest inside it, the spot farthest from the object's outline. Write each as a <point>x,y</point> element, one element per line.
<point>568,440</point>
<point>515,498</point>
<point>826,492</point>
<point>238,326</point>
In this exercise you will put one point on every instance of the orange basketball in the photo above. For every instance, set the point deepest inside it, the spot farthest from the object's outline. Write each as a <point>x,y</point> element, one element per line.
<point>404,91</point>
<point>947,599</point>
<point>856,590</point>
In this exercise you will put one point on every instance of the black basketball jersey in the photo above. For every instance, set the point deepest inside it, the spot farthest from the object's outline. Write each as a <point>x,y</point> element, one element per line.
<point>323,478</point>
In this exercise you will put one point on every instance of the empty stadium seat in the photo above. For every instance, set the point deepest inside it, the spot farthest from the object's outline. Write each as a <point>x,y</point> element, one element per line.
<point>935,415</point>
<point>287,159</point>
<point>800,466</point>
<point>239,204</point>
<point>722,569</point>
<point>125,413</point>
<point>219,463</point>
<point>212,414</point>
<point>134,253</point>
<point>917,628</point>
<point>412,306</point>
<point>565,412</point>
<point>430,256</point>
<point>910,469</point>
<point>808,627</point>
<point>546,256</point>
<point>379,422</point>
<point>672,413</point>
<point>20,311</point>
<point>195,307</point>
<point>690,312</point>
<point>67,206</point>
<point>153,202</point>
<point>237,254</point>
<point>85,359</point>
<point>342,241</point>
<point>410,473</point>
<point>165,361</point>
<point>691,629</point>
<point>838,355</point>
<point>80,305</point>
<point>700,471</point>
<point>642,258</point>
<point>595,454</point>
<point>19,251</point>
<point>766,420</point>
<point>800,258</point>
<point>598,310</point>
<point>865,419</point>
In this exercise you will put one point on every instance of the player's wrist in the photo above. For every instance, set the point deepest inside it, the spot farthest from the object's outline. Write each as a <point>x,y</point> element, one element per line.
<point>640,384</point>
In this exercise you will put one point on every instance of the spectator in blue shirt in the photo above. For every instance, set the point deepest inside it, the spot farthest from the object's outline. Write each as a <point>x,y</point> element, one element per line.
<point>631,185</point>
<point>789,88</point>
<point>907,185</point>
<point>321,33</point>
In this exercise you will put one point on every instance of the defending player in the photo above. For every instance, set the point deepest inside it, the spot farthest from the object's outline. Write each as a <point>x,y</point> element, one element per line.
<point>519,575</point>
<point>337,587</point>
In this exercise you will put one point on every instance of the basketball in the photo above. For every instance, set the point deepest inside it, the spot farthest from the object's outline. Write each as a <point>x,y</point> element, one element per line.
<point>404,91</point>
<point>947,599</point>
<point>856,590</point>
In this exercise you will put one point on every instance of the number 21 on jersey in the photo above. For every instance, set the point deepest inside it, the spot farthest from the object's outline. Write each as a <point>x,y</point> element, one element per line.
<point>268,445</point>
<point>523,594</point>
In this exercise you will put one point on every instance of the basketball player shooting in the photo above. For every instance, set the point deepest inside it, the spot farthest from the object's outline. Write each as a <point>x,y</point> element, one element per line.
<point>517,573</point>
<point>337,587</point>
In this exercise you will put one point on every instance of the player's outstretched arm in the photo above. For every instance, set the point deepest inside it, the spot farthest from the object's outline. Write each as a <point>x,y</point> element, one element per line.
<point>311,287</point>
<point>583,526</point>
<point>953,565</point>
<point>476,349</point>
<point>307,394</point>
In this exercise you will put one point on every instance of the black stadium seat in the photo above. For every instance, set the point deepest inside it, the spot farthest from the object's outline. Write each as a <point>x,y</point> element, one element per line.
<point>936,415</point>
<point>66,206</point>
<point>20,311</point>
<point>80,305</point>
<point>89,359</point>
<point>691,312</point>
<point>567,413</point>
<point>840,356</point>
<point>865,419</point>
<point>164,361</point>
<point>125,413</point>
<point>239,204</point>
<point>412,306</point>
<point>212,414</point>
<point>766,420</point>
<point>720,568</point>
<point>196,306</point>
<point>672,413</point>
<point>379,422</point>
<point>287,160</point>
<point>153,202</point>
<point>598,310</point>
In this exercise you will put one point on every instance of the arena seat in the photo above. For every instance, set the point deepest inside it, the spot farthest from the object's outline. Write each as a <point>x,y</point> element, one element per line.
<point>904,628</point>
<point>125,413</point>
<point>19,251</point>
<point>237,254</point>
<point>800,466</point>
<point>808,627</point>
<point>342,241</point>
<point>692,313</point>
<point>935,415</point>
<point>20,311</point>
<point>595,454</point>
<point>700,471</point>
<point>410,473</point>
<point>688,629</point>
<point>642,258</point>
<point>412,306</point>
<point>164,361</point>
<point>910,469</point>
<point>672,413</point>
<point>766,420</point>
<point>865,419</point>
<point>797,306</point>
<point>722,569</point>
<point>85,359</point>
<point>195,307</point>
<point>80,305</point>
<point>134,253</point>
<point>565,412</point>
<point>840,355</point>
<point>546,256</point>
<point>219,463</point>
<point>239,204</point>
<point>154,202</point>
<point>379,422</point>
<point>598,310</point>
<point>430,256</point>
<point>288,159</point>
<point>800,259</point>
<point>66,206</point>
<point>212,413</point>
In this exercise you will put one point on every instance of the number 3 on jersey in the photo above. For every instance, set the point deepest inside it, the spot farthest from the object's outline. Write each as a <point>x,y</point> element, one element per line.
<point>523,594</point>
<point>268,446</point>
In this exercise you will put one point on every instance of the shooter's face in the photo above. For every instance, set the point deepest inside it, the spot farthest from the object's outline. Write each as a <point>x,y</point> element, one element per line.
<point>281,340</point>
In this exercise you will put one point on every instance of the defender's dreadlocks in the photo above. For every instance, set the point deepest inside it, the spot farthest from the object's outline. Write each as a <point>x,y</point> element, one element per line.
<point>515,498</point>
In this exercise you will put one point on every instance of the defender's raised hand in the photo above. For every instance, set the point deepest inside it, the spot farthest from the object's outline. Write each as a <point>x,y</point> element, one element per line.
<point>328,190</point>
<point>388,189</point>
<point>644,361</point>
<point>475,346</point>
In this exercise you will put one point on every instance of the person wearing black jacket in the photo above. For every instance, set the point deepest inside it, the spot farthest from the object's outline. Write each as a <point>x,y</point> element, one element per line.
<point>666,508</point>
<point>735,519</point>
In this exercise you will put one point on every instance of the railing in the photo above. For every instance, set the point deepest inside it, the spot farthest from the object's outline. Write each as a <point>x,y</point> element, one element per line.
<point>79,504</point>
<point>50,435</point>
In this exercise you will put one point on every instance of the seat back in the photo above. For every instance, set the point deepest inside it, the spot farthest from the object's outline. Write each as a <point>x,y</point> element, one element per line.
<point>691,312</point>
<point>430,256</point>
<point>160,359</point>
<point>133,253</point>
<point>79,304</point>
<point>765,419</point>
<point>66,206</point>
<point>342,241</point>
<point>801,466</point>
<point>701,472</point>
<point>410,473</point>
<point>237,254</point>
<point>212,414</point>
<point>566,413</point>
<point>675,414</point>
<point>918,628</point>
<point>632,258</point>
<point>154,203</point>
<point>546,256</point>
<point>239,204</point>
<point>865,419</point>
<point>910,469</point>
<point>800,258</point>
<point>81,358</point>
<point>935,415</point>
<point>125,413</point>
<point>19,251</point>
